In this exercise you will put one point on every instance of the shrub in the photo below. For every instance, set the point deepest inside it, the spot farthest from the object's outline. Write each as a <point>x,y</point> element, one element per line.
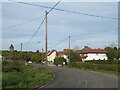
<point>59,60</point>
<point>11,66</point>
<point>88,65</point>
<point>73,64</point>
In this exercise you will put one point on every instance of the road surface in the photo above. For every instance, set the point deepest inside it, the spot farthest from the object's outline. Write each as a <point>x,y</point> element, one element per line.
<point>74,78</point>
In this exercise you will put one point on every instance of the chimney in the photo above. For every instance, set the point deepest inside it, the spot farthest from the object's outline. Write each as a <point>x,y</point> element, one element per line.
<point>86,47</point>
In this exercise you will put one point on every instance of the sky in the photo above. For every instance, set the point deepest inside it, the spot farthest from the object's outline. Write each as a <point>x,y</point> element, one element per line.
<point>95,32</point>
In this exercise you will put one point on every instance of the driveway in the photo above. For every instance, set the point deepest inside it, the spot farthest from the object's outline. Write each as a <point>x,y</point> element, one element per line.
<point>74,78</point>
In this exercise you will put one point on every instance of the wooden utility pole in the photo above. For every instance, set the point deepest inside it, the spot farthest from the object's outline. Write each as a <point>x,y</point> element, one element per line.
<point>46,43</point>
<point>42,54</point>
<point>21,51</point>
<point>69,50</point>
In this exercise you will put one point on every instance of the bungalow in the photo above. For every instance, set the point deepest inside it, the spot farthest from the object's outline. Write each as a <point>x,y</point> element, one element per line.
<point>93,54</point>
<point>64,54</point>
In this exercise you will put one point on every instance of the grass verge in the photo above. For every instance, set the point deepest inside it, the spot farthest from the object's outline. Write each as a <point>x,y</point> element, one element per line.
<point>27,76</point>
<point>101,71</point>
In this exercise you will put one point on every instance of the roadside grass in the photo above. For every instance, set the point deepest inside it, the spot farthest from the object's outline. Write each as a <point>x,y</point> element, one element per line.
<point>98,67</point>
<point>0,74</point>
<point>108,72</point>
<point>115,73</point>
<point>27,76</point>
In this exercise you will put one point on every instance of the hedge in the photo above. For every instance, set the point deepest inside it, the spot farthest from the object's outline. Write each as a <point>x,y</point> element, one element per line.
<point>87,65</point>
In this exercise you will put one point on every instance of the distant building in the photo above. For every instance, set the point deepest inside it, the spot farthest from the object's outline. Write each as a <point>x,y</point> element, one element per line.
<point>93,54</point>
<point>64,54</point>
<point>51,56</point>
<point>11,47</point>
<point>0,57</point>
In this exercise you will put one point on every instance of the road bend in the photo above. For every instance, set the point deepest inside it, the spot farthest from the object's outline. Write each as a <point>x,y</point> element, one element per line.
<point>74,78</point>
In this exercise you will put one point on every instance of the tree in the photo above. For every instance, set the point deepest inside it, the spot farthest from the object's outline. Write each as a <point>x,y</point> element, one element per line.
<point>36,57</point>
<point>5,54</point>
<point>37,51</point>
<point>111,53</point>
<point>74,56</point>
<point>59,60</point>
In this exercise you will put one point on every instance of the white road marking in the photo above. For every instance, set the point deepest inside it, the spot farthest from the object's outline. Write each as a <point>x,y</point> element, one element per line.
<point>86,83</point>
<point>78,85</point>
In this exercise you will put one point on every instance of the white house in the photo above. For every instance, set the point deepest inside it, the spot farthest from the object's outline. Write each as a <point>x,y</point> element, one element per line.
<point>64,54</point>
<point>0,57</point>
<point>93,54</point>
<point>51,56</point>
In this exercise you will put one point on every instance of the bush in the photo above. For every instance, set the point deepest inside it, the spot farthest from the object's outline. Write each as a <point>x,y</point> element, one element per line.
<point>73,64</point>
<point>104,61</point>
<point>8,66</point>
<point>30,77</point>
<point>88,65</point>
<point>59,60</point>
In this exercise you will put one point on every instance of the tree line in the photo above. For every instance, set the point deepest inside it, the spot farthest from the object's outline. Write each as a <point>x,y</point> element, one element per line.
<point>24,55</point>
<point>111,52</point>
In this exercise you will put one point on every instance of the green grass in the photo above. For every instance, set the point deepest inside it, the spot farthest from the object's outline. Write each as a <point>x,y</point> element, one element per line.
<point>109,72</point>
<point>0,74</point>
<point>27,77</point>
<point>104,68</point>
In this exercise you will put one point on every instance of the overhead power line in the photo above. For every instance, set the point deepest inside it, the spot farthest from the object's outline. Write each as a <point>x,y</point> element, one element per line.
<point>69,11</point>
<point>23,23</point>
<point>78,36</point>
<point>53,7</point>
<point>43,21</point>
<point>97,32</point>
<point>37,29</point>
<point>88,35</point>
<point>61,41</point>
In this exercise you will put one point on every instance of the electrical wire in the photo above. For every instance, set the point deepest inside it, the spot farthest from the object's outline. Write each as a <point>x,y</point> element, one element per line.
<point>37,30</point>
<point>61,41</point>
<point>69,11</point>
<point>43,20</point>
<point>23,23</point>
<point>78,36</point>
<point>53,7</point>
<point>94,32</point>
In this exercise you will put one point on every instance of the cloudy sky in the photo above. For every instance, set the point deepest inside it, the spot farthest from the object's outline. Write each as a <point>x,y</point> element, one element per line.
<point>20,22</point>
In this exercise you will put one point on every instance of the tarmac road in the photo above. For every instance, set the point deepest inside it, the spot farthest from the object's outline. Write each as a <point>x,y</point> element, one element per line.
<point>73,78</point>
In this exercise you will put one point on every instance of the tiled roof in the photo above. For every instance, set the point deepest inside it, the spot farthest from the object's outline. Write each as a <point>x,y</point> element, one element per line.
<point>87,49</point>
<point>50,52</point>
<point>93,50</point>
<point>65,52</point>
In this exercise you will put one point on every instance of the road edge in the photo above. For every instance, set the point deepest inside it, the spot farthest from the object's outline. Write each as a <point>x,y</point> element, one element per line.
<point>46,83</point>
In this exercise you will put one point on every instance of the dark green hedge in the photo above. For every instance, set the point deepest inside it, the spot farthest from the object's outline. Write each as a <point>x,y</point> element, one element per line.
<point>104,61</point>
<point>88,65</point>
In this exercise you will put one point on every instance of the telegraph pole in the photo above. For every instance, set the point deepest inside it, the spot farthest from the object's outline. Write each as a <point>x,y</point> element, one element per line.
<point>21,51</point>
<point>46,43</point>
<point>42,54</point>
<point>69,49</point>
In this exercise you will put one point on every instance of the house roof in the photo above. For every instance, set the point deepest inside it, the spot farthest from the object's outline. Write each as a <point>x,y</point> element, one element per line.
<point>64,52</point>
<point>94,51</point>
<point>89,50</point>
<point>50,52</point>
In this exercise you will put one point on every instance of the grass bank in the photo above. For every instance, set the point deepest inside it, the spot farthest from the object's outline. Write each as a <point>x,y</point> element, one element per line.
<point>17,75</point>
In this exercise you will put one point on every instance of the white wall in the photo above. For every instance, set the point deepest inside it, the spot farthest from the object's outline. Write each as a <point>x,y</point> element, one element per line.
<point>66,58</point>
<point>0,57</point>
<point>51,57</point>
<point>94,56</point>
